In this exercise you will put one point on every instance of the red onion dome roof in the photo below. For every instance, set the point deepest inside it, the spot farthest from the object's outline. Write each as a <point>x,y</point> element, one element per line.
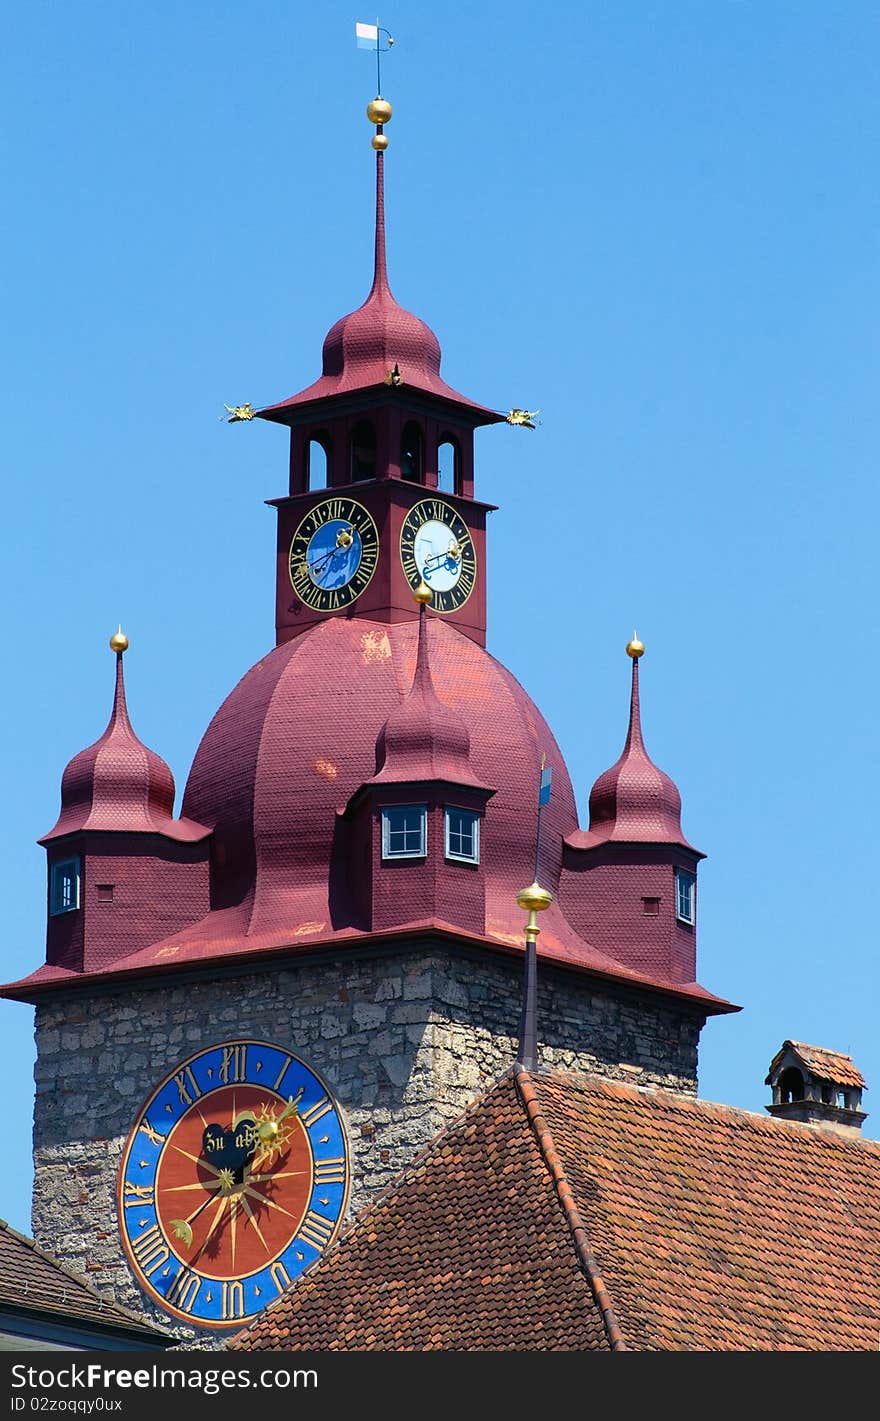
<point>362,349</point>
<point>634,801</point>
<point>297,738</point>
<point>424,740</point>
<point>118,784</point>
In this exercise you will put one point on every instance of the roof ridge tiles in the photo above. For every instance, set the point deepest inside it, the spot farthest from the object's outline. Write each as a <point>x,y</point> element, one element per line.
<point>544,1137</point>
<point>677,1100</point>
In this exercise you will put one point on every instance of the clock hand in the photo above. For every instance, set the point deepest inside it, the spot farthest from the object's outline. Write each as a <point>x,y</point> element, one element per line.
<point>452,554</point>
<point>344,540</point>
<point>183,1227</point>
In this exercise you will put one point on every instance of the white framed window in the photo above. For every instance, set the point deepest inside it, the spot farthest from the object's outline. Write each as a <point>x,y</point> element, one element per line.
<point>405,831</point>
<point>462,835</point>
<point>684,895</point>
<point>64,887</point>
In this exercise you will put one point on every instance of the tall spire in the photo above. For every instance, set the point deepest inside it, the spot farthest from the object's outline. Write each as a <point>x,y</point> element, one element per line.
<point>424,740</point>
<point>380,343</point>
<point>379,112</point>
<point>118,784</point>
<point>634,801</point>
<point>635,649</point>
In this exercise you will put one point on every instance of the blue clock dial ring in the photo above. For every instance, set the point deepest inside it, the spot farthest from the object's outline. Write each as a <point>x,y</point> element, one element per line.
<point>233,1180</point>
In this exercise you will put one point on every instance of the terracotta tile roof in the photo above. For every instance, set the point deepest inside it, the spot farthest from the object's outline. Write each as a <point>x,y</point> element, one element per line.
<point>32,1282</point>
<point>831,1066</point>
<point>469,1251</point>
<point>577,1212</point>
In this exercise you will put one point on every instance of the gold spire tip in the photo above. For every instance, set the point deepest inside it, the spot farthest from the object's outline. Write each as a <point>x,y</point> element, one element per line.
<point>422,593</point>
<point>534,899</point>
<point>119,642</point>
<point>635,648</point>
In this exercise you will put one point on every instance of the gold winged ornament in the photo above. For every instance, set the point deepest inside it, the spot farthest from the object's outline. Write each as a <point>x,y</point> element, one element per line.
<point>237,413</point>
<point>525,418</point>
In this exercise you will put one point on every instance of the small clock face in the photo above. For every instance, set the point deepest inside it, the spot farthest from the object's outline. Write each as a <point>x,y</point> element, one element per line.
<point>233,1180</point>
<point>436,547</point>
<point>333,554</point>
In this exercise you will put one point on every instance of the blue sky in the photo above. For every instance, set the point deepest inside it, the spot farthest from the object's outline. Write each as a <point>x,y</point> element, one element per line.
<point>656,221</point>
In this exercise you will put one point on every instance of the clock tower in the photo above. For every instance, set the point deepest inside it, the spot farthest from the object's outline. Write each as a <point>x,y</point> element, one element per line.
<point>252,1014</point>
<point>381,470</point>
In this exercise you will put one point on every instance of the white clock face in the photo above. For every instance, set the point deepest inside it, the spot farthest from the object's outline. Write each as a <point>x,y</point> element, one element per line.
<point>438,555</point>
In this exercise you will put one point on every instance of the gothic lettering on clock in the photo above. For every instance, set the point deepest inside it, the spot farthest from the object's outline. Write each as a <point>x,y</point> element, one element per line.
<point>234,1178</point>
<point>436,547</point>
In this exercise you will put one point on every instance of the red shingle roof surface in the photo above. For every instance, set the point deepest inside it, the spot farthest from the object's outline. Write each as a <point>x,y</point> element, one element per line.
<point>581,1213</point>
<point>31,1280</point>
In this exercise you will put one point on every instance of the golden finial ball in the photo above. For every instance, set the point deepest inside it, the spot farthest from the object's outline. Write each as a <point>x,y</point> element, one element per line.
<point>534,898</point>
<point>423,593</point>
<point>119,641</point>
<point>379,111</point>
<point>635,648</point>
<point>379,142</point>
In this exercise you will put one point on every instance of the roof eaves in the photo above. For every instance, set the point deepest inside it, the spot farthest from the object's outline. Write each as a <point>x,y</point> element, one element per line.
<point>574,1219</point>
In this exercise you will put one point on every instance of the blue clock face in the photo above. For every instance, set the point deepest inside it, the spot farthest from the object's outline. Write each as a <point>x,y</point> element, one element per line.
<point>333,554</point>
<point>233,1180</point>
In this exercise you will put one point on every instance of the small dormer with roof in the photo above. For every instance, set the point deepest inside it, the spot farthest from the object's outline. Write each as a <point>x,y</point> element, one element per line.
<point>817,1087</point>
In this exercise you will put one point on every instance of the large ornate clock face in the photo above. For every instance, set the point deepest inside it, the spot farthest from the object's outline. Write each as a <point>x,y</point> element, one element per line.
<point>233,1180</point>
<point>436,547</point>
<point>333,554</point>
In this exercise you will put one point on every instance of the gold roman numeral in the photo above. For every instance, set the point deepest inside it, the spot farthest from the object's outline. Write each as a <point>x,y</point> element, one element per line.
<point>137,1194</point>
<point>150,1251</point>
<point>186,1082</point>
<point>184,1290</point>
<point>233,1066</point>
<point>315,1112</point>
<point>282,1073</point>
<point>232,1301</point>
<point>279,1276</point>
<point>152,1135</point>
<point>316,1230</point>
<point>330,1171</point>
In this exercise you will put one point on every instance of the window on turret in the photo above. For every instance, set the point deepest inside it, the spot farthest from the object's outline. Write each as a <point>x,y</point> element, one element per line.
<point>405,831</point>
<point>684,895</point>
<point>448,467</point>
<point>64,887</point>
<point>411,460</point>
<point>463,835</point>
<point>363,451</point>
<point>318,451</point>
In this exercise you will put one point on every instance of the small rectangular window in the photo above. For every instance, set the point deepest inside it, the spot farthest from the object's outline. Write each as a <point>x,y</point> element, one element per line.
<point>651,907</point>
<point>105,892</point>
<point>405,832</point>
<point>64,887</point>
<point>463,835</point>
<point>684,895</point>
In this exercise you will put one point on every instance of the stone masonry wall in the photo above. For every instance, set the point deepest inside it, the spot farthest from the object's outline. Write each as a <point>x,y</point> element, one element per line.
<point>404,1041</point>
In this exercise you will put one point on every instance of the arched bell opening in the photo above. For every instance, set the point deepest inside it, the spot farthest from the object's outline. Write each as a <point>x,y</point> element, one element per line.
<point>363,451</point>
<point>318,461</point>
<point>412,454</point>
<point>449,466</point>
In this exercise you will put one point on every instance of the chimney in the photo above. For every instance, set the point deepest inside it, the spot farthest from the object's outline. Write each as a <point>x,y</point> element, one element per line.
<point>817,1087</point>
